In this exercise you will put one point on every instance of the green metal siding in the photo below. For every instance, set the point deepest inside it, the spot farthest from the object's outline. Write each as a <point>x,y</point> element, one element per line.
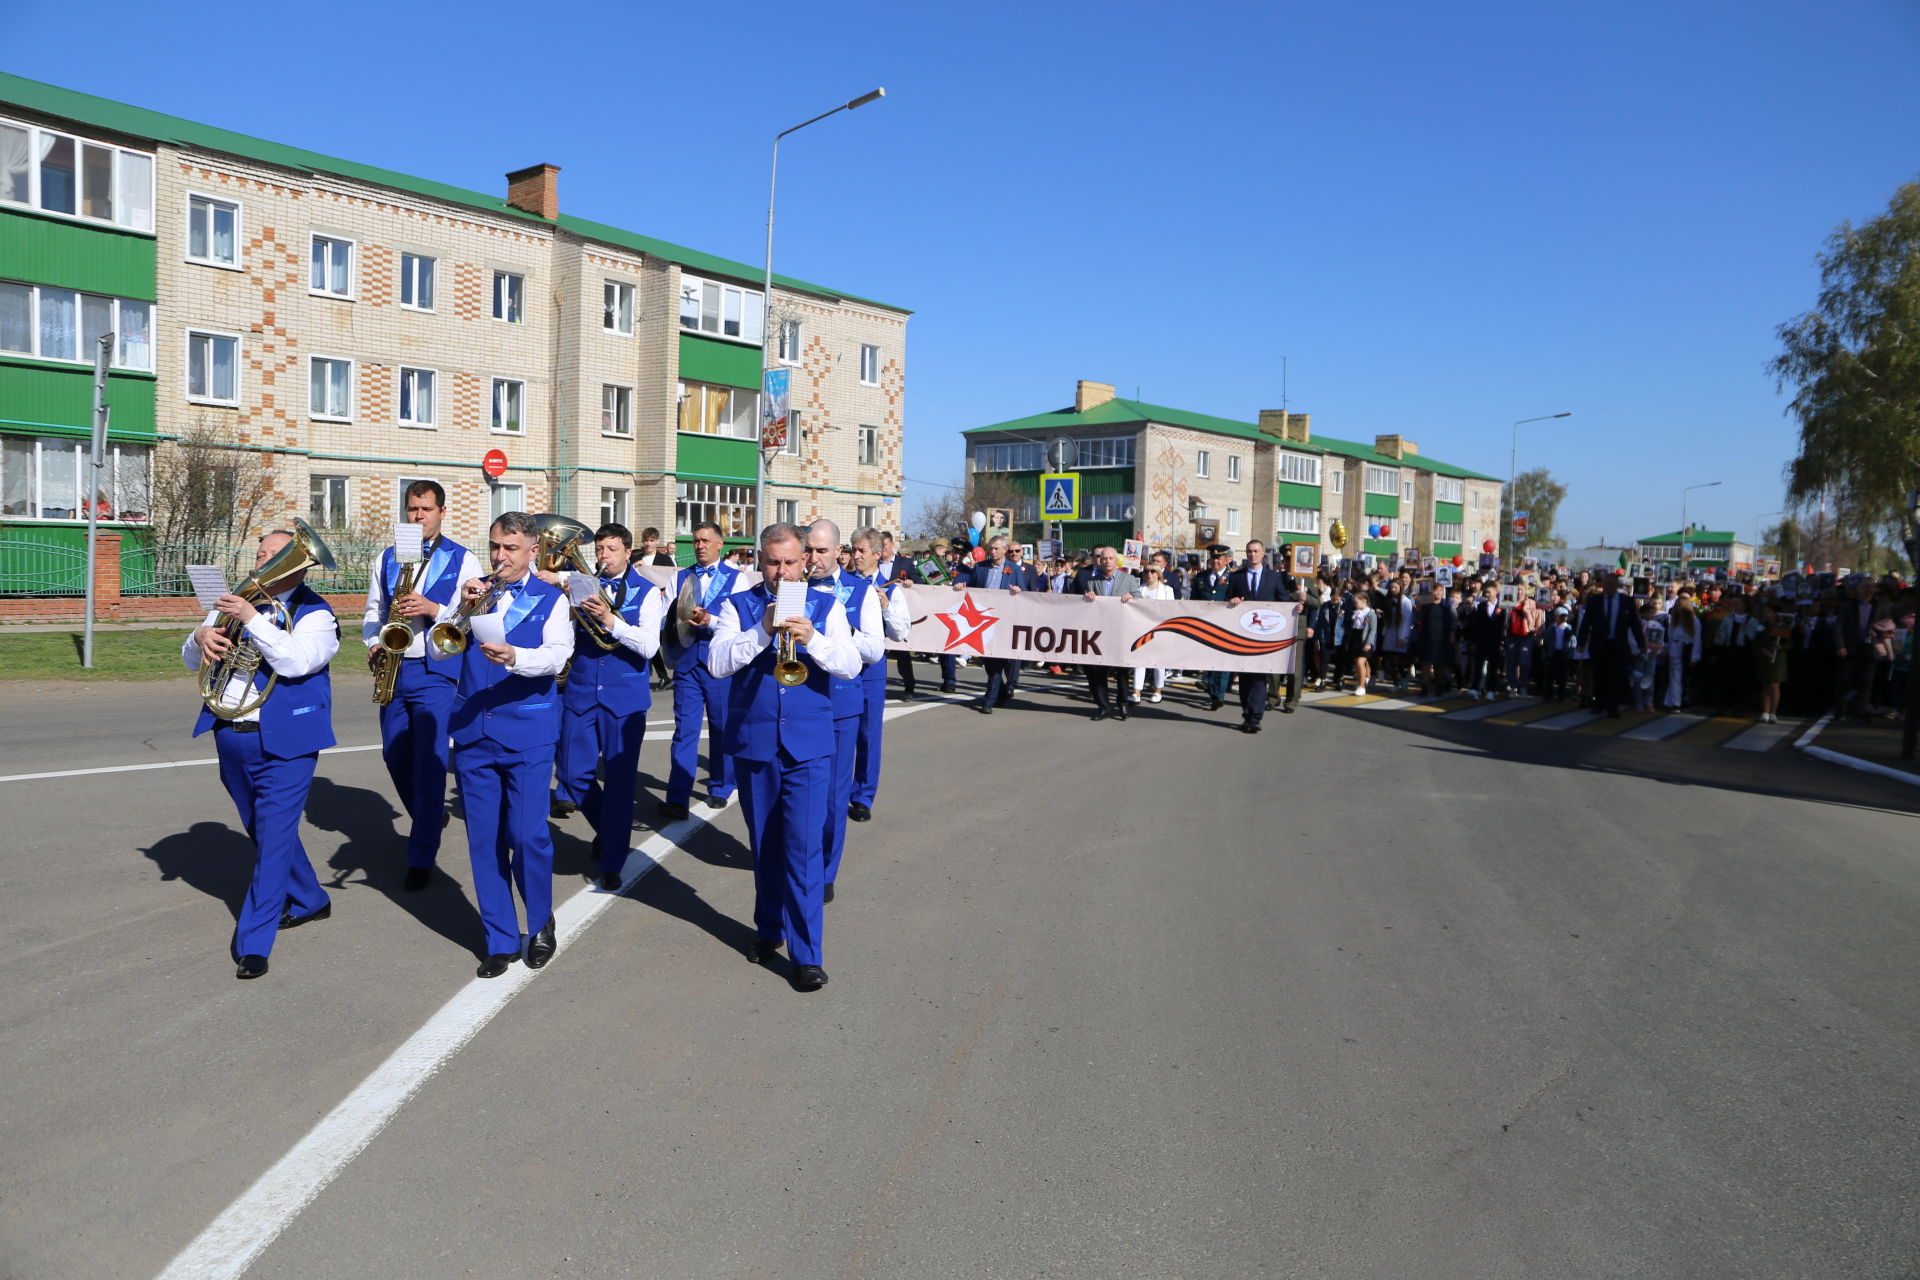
<point>1449,512</point>
<point>75,256</point>
<point>725,363</point>
<point>1383,504</point>
<point>715,458</point>
<point>58,400</point>
<point>1446,550</point>
<point>1379,546</point>
<point>1299,495</point>
<point>1084,535</point>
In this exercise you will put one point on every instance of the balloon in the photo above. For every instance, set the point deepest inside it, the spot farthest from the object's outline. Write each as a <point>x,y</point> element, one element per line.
<point>973,537</point>
<point>1373,531</point>
<point>979,520</point>
<point>1489,546</point>
<point>1386,530</point>
<point>979,554</point>
<point>1458,561</point>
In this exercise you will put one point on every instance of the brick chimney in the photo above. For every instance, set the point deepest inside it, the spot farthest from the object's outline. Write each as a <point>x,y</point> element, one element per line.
<point>535,189</point>
<point>1294,428</point>
<point>1396,447</point>
<point>1090,395</point>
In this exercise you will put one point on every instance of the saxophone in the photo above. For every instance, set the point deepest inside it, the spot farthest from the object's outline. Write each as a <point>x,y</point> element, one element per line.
<point>396,637</point>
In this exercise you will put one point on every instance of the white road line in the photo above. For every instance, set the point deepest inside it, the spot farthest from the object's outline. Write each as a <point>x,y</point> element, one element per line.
<point>1571,720</point>
<point>1486,709</point>
<point>164,764</point>
<point>244,1230</point>
<point>1663,728</point>
<point>1760,737</point>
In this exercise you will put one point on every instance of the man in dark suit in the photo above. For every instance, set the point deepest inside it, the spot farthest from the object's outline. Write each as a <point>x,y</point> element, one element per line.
<point>1104,578</point>
<point>996,573</point>
<point>1610,629</point>
<point>1212,583</point>
<point>1857,616</point>
<point>1257,580</point>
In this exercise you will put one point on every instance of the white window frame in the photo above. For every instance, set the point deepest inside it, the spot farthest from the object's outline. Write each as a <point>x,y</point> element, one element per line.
<point>433,287</point>
<point>750,419</point>
<point>1445,490</point>
<point>337,520</point>
<point>1381,480</point>
<point>613,504</point>
<point>186,367</point>
<point>353,266</point>
<point>416,423</point>
<point>1233,468</point>
<point>1298,520</point>
<point>790,340</point>
<point>1233,520</point>
<point>1119,506</point>
<point>1337,480</point>
<point>1202,463</point>
<point>791,449</point>
<point>1441,528</point>
<point>868,446</point>
<point>1296,468</point>
<point>511,299</point>
<point>869,365</point>
<point>622,410</point>
<point>239,215</point>
<point>725,503</point>
<point>496,491</point>
<point>1103,451</point>
<point>863,517</point>
<point>80,143</point>
<point>112,463</point>
<point>82,357</point>
<point>1406,487</point>
<point>352,383</point>
<point>786,511</point>
<point>1476,499</point>
<point>621,291</point>
<point>1030,454</point>
<point>753,311</point>
<point>493,403</point>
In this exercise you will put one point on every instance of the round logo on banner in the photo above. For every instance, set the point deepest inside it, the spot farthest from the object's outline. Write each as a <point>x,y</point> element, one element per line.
<point>1262,622</point>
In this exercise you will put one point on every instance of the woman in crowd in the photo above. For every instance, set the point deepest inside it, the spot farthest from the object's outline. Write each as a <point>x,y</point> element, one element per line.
<point>1153,586</point>
<point>1683,650</point>
<point>1362,638</point>
<point>1769,647</point>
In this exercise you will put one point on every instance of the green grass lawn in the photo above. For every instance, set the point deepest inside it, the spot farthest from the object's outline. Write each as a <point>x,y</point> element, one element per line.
<point>117,655</point>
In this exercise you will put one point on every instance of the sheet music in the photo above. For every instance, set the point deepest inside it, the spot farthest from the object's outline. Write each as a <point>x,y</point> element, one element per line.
<point>581,587</point>
<point>791,602</point>
<point>408,541</point>
<point>490,628</point>
<point>209,583</point>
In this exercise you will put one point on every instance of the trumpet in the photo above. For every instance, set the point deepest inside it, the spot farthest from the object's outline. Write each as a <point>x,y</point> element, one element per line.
<point>242,662</point>
<point>396,637</point>
<point>450,639</point>
<point>561,546</point>
<point>787,667</point>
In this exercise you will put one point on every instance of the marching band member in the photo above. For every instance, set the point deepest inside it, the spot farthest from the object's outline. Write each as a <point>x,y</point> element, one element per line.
<point>782,740</point>
<point>604,715</point>
<point>897,622</point>
<point>505,722</point>
<point>697,694</point>
<point>895,567</point>
<point>267,756</point>
<point>413,727</point>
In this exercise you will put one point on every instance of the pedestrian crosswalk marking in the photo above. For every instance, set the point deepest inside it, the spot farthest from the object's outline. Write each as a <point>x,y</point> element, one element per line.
<point>1568,720</point>
<point>1761,737</point>
<point>1729,732</point>
<point>1480,711</point>
<point>1525,714</point>
<point>1660,728</point>
<point>1714,731</point>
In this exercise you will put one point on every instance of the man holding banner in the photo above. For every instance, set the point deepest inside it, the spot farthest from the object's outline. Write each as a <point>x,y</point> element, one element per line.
<point>1104,578</point>
<point>997,573</point>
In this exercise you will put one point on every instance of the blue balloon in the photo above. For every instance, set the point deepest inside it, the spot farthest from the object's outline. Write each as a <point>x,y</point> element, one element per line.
<point>1373,531</point>
<point>973,537</point>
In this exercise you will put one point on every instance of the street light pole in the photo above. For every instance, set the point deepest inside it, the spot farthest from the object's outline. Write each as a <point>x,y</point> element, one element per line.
<point>1513,476</point>
<point>1684,559</point>
<point>766,302</point>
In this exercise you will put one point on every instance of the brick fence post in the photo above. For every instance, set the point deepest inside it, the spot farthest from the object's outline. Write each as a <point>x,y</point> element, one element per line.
<point>106,576</point>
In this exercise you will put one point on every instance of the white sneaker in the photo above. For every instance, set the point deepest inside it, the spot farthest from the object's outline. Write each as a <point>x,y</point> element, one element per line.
<point>1133,697</point>
<point>1361,691</point>
<point>1474,694</point>
<point>1154,697</point>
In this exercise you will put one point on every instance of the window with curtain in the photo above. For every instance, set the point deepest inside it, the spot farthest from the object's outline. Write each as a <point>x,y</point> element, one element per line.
<point>507,497</point>
<point>509,405</point>
<point>96,181</point>
<point>77,177</point>
<point>331,390</point>
<point>211,227</point>
<point>332,272</point>
<point>416,281</point>
<point>712,410</point>
<point>16,317</point>
<point>212,367</point>
<point>616,307</point>
<point>135,186</point>
<point>16,163</point>
<point>613,506</point>
<point>869,446</point>
<point>723,310</point>
<point>42,478</point>
<point>327,502</point>
<point>59,324</point>
<point>416,399</point>
<point>509,294</point>
<point>616,411</point>
<point>870,365</point>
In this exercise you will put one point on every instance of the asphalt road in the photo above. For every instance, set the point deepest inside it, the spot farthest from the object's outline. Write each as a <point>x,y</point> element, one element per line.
<point>1355,998</point>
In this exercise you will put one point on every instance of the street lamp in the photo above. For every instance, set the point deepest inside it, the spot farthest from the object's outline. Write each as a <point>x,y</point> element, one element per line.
<point>1513,476</point>
<point>1711,484</point>
<point>766,300</point>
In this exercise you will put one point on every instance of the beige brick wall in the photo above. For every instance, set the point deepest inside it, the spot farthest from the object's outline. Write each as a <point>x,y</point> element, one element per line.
<point>1168,479</point>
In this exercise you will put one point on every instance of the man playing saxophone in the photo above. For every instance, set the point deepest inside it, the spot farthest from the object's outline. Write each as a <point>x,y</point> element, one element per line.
<point>267,755</point>
<point>413,724</point>
<point>505,722</point>
<point>604,715</point>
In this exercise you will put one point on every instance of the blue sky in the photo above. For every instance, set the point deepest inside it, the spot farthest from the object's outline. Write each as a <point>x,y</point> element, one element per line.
<point>1446,218</point>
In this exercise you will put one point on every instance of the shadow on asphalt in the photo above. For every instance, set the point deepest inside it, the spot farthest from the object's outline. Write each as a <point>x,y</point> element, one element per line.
<point>670,895</point>
<point>374,845</point>
<point>211,857</point>
<point>1785,773</point>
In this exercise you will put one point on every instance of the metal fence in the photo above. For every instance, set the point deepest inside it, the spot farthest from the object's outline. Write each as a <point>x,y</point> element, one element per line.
<point>161,569</point>
<point>37,564</point>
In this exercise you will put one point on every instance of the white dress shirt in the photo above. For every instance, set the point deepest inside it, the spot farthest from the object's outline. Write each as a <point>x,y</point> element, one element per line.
<point>308,648</point>
<point>556,639</point>
<point>378,605</point>
<point>832,647</point>
<point>642,637</point>
<point>897,620</point>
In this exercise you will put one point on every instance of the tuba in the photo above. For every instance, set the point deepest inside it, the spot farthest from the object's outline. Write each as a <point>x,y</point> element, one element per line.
<point>242,662</point>
<point>562,545</point>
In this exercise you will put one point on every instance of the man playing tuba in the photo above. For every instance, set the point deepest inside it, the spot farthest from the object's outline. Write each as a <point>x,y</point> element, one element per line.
<point>267,754</point>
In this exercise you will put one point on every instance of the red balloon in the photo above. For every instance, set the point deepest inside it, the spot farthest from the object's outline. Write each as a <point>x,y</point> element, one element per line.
<point>1489,546</point>
<point>1458,561</point>
<point>979,554</point>
<point>1386,530</point>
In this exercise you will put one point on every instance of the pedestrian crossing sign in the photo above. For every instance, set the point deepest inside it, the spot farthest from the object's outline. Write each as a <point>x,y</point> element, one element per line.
<point>1060,495</point>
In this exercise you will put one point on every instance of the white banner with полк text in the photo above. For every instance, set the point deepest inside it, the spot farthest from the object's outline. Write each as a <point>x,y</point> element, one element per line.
<point>1034,626</point>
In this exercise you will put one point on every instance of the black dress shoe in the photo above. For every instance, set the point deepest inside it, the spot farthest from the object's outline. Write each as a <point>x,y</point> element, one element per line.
<point>826,894</point>
<point>986,708</point>
<point>541,946</point>
<point>562,809</point>
<point>250,967</point>
<point>1101,714</point>
<point>1214,704</point>
<point>1286,708</point>
<point>949,688</point>
<point>718,802</point>
<point>445,818</point>
<point>858,812</point>
<point>1003,702</point>
<point>672,812</point>
<point>291,921</point>
<point>417,878</point>
<point>610,881</point>
<point>809,977</point>
<point>494,966</point>
<point>762,951</point>
<point>1253,726</point>
<point>1121,714</point>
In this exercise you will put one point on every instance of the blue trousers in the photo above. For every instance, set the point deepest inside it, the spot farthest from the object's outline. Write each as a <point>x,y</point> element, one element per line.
<point>698,696</point>
<point>866,753</point>
<point>413,742</point>
<point>784,800</point>
<point>1216,683</point>
<point>1253,696</point>
<point>270,796</point>
<point>586,738</point>
<point>505,793</point>
<point>1003,679</point>
<point>833,834</point>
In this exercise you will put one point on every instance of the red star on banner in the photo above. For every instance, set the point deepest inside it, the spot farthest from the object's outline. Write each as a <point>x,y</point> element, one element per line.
<point>970,616</point>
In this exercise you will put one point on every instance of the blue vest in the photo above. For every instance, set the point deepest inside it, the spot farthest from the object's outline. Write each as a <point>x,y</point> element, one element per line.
<point>617,678</point>
<point>849,696</point>
<point>297,719</point>
<point>695,654</point>
<point>765,716</point>
<point>492,702</point>
<point>439,582</point>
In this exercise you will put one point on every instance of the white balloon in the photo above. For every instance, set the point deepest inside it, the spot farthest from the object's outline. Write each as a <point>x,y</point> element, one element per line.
<point>979,519</point>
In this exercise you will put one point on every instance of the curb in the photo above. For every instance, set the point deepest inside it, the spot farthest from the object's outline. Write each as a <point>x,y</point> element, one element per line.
<point>1805,743</point>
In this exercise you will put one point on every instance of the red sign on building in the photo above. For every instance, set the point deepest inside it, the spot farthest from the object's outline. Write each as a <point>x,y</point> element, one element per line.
<point>495,463</point>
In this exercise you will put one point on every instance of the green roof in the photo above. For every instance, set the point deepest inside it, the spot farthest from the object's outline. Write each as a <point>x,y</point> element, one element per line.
<point>138,122</point>
<point>1698,535</point>
<point>1118,412</point>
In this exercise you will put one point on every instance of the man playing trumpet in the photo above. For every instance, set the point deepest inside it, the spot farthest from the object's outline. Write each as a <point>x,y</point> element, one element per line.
<point>267,755</point>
